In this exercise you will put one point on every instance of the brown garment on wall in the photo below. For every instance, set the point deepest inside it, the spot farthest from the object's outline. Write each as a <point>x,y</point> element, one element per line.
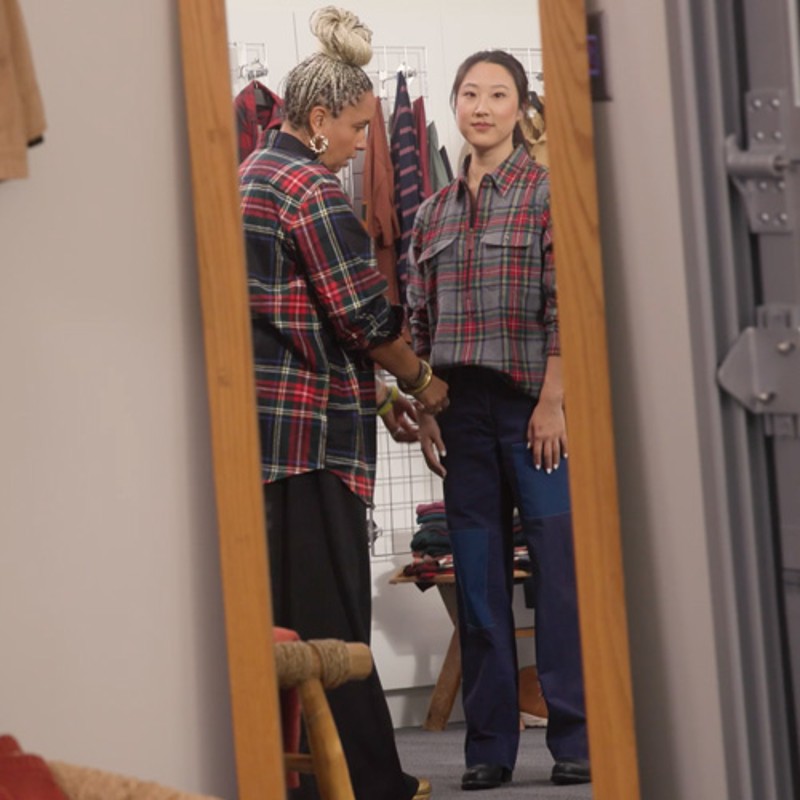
<point>22,120</point>
<point>421,127</point>
<point>380,216</point>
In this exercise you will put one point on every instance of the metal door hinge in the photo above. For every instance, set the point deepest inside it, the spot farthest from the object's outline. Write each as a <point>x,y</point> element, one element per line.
<point>759,172</point>
<point>762,369</point>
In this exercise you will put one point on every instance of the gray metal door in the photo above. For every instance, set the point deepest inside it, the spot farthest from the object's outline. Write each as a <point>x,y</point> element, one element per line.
<point>762,369</point>
<point>736,68</point>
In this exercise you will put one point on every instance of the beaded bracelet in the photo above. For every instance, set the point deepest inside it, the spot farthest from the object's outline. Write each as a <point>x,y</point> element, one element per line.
<point>386,404</point>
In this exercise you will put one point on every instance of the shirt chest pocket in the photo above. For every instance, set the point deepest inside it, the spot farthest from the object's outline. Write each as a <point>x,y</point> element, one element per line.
<point>438,263</point>
<point>508,249</point>
<point>440,252</point>
<point>510,272</point>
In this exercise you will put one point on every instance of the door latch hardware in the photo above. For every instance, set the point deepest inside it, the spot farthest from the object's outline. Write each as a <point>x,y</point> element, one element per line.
<point>762,368</point>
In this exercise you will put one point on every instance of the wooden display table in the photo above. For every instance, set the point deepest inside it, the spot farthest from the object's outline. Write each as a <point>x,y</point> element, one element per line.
<point>449,680</point>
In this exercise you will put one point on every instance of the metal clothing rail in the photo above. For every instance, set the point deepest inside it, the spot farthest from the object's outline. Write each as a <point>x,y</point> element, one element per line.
<point>531,59</point>
<point>389,60</point>
<point>248,61</point>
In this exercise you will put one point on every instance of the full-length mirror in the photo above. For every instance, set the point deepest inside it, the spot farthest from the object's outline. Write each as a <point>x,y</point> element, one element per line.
<point>513,112</point>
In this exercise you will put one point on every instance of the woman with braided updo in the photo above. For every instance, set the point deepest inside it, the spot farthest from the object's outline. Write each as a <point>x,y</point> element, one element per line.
<point>320,324</point>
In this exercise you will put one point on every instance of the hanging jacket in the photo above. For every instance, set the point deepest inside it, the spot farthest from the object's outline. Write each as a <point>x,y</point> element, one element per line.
<point>380,215</point>
<point>440,176</point>
<point>406,173</point>
<point>421,129</point>
<point>257,110</point>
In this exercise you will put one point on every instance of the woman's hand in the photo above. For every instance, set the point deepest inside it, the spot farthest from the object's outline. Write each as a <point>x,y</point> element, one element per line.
<point>432,444</point>
<point>547,434</point>
<point>401,420</point>
<point>434,398</point>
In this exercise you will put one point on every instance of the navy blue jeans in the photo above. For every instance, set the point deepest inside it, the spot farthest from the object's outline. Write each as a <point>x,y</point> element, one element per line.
<point>490,472</point>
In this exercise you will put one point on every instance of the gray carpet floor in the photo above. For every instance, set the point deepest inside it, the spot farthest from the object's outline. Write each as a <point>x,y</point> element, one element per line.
<point>439,756</point>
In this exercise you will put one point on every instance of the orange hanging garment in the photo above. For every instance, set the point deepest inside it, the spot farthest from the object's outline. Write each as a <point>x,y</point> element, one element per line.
<point>22,120</point>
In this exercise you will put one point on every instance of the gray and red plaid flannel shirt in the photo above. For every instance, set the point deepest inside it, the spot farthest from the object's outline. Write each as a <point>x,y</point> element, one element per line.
<point>481,287</point>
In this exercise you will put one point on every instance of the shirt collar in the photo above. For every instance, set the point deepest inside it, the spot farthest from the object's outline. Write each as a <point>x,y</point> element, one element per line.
<point>288,143</point>
<point>504,176</point>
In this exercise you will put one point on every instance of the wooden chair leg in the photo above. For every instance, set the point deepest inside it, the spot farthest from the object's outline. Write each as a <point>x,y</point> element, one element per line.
<point>327,756</point>
<point>310,667</point>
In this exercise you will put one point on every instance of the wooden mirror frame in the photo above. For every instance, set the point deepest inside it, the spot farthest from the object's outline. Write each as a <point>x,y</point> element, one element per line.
<point>226,322</point>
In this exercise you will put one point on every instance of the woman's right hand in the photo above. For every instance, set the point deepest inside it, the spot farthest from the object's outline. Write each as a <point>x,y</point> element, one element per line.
<point>430,438</point>
<point>434,398</point>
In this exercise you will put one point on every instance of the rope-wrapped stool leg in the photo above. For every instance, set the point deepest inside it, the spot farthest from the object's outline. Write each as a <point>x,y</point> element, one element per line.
<point>312,667</point>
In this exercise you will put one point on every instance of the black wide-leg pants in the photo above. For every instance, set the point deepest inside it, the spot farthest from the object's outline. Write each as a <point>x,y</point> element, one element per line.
<point>321,588</point>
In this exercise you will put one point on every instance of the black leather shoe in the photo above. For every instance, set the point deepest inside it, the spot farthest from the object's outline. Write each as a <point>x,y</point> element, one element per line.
<point>571,771</point>
<point>485,776</point>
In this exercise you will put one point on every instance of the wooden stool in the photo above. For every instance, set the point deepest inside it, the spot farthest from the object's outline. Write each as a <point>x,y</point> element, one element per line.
<point>309,668</point>
<point>449,680</point>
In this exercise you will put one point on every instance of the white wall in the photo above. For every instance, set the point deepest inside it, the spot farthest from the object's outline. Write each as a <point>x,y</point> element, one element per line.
<point>113,652</point>
<point>676,688</point>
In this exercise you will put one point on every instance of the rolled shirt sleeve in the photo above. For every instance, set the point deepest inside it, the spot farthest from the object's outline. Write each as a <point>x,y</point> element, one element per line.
<point>417,298</point>
<point>337,253</point>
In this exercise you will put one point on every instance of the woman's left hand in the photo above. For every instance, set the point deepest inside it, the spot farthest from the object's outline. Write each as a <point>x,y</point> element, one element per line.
<point>401,420</point>
<point>547,434</point>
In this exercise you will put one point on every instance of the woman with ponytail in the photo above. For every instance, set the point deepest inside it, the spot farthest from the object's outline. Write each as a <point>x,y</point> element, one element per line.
<point>482,298</point>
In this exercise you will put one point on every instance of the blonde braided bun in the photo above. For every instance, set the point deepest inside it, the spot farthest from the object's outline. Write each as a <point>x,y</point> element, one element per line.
<point>332,78</point>
<point>342,35</point>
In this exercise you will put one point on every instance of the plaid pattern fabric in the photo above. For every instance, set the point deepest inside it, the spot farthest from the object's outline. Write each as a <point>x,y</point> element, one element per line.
<point>317,305</point>
<point>253,119</point>
<point>482,280</point>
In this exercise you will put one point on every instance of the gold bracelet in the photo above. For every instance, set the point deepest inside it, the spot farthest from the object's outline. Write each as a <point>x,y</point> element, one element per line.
<point>422,383</point>
<point>426,382</point>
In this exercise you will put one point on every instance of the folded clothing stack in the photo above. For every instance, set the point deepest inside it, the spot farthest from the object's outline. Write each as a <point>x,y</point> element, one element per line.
<point>432,551</point>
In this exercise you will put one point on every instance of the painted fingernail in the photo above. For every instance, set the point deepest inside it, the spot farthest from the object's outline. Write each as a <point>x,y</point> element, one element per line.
<point>548,470</point>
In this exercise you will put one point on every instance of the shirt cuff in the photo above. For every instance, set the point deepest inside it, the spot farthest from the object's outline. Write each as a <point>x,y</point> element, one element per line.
<point>392,329</point>
<point>553,344</point>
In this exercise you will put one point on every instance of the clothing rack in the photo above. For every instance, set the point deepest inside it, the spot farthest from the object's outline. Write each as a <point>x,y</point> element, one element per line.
<point>389,60</point>
<point>402,482</point>
<point>248,61</point>
<point>531,59</point>
<point>253,70</point>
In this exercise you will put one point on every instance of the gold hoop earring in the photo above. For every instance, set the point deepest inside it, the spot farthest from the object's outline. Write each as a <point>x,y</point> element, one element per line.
<point>318,143</point>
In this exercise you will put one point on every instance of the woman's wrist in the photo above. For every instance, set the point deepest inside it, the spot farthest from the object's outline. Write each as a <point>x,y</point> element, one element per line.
<point>551,397</point>
<point>421,382</point>
<point>385,405</point>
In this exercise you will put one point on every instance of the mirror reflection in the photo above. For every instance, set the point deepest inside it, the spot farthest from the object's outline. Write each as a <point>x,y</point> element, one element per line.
<point>395,203</point>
